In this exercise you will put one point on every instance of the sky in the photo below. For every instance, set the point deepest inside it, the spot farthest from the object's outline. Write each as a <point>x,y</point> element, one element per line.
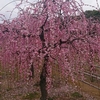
<point>6,6</point>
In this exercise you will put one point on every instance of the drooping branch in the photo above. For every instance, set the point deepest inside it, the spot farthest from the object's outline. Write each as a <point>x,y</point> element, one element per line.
<point>42,32</point>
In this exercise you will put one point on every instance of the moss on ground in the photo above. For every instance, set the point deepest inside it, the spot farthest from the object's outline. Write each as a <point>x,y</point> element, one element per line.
<point>76,95</point>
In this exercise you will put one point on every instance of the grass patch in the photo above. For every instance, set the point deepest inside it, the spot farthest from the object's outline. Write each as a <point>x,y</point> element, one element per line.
<point>31,96</point>
<point>76,95</point>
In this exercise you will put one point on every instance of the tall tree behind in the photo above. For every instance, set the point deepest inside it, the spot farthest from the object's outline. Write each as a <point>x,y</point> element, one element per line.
<point>92,14</point>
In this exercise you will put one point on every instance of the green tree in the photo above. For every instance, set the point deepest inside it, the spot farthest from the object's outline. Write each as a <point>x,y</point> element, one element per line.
<point>92,13</point>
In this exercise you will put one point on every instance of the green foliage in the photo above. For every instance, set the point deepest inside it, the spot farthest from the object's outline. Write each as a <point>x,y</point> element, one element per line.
<point>92,13</point>
<point>50,98</point>
<point>76,95</point>
<point>92,79</point>
<point>53,98</point>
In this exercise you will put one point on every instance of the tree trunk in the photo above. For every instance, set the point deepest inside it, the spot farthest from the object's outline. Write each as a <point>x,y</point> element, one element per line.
<point>32,70</point>
<point>44,93</point>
